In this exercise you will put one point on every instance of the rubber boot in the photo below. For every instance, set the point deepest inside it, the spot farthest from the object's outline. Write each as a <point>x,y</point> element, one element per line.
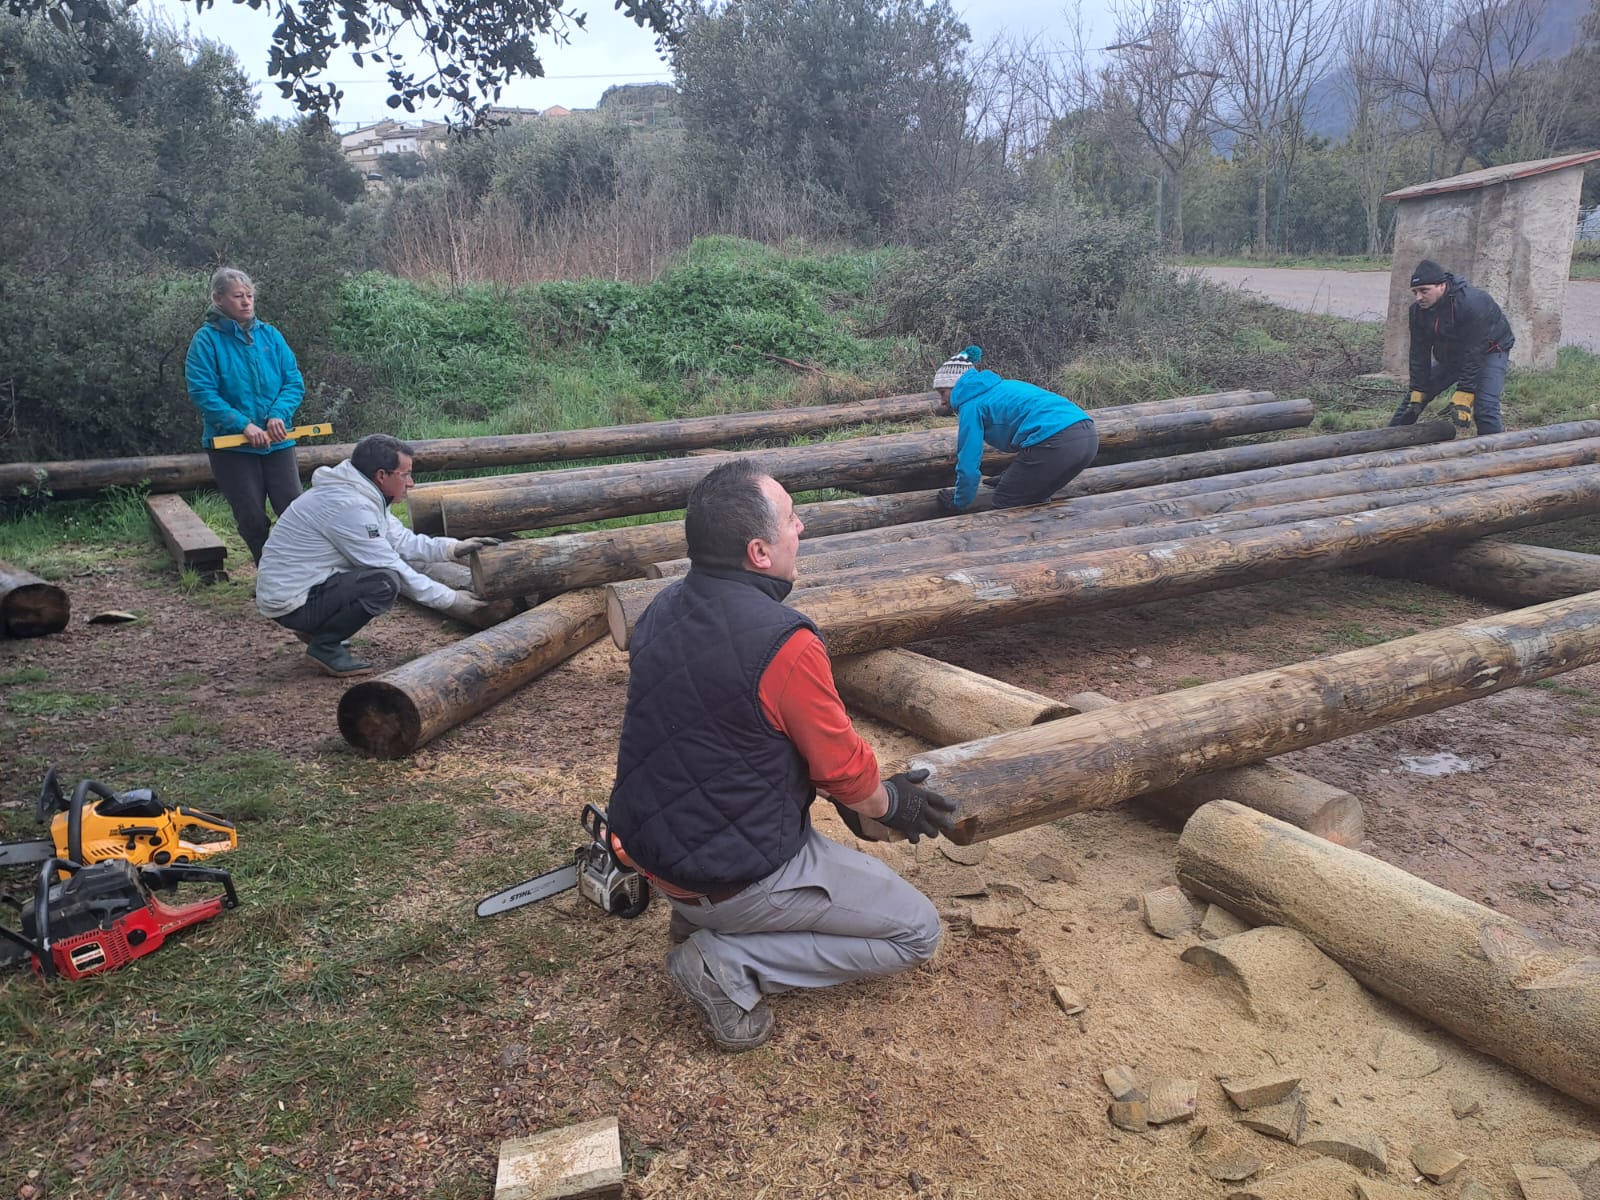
<point>328,650</point>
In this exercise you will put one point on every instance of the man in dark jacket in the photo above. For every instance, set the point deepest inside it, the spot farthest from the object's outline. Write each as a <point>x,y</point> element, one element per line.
<point>1458,336</point>
<point>732,725</point>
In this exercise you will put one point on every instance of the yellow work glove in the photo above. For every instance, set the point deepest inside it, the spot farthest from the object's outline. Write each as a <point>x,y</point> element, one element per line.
<point>1461,411</point>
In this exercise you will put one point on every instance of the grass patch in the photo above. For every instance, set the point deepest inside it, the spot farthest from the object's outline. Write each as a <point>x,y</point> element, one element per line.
<point>24,675</point>
<point>55,704</point>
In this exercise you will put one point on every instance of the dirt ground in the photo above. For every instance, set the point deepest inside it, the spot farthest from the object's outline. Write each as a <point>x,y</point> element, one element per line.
<point>963,1079</point>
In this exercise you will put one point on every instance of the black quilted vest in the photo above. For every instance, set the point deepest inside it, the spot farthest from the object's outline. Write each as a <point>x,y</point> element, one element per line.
<point>708,794</point>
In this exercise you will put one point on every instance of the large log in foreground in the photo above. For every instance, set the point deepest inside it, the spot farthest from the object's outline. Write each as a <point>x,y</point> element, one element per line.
<point>1018,780</point>
<point>901,608</point>
<point>947,705</point>
<point>573,560</point>
<point>30,607</point>
<point>1506,573</point>
<point>394,714</point>
<point>511,503</point>
<point>1268,787</point>
<point>1498,986</point>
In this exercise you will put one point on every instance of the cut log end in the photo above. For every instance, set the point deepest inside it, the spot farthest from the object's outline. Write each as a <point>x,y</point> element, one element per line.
<point>34,610</point>
<point>617,620</point>
<point>380,719</point>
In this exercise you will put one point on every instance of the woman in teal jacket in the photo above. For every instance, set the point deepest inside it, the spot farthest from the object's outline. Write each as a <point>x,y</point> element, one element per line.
<point>243,378</point>
<point>1053,439</point>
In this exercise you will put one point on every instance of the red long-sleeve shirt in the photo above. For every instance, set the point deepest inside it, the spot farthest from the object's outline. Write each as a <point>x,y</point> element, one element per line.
<point>799,698</point>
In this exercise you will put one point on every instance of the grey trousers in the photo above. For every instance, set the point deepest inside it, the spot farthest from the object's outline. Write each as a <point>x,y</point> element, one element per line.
<point>246,481</point>
<point>1041,470</point>
<point>829,915</point>
<point>343,603</point>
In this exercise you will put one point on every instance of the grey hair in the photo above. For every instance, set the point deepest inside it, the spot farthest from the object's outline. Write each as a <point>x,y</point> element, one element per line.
<point>229,277</point>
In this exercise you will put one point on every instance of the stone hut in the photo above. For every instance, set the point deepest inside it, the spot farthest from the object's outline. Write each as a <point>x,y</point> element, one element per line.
<point>1508,230</point>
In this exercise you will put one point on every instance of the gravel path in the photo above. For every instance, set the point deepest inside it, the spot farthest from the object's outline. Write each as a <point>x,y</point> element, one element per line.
<point>1363,296</point>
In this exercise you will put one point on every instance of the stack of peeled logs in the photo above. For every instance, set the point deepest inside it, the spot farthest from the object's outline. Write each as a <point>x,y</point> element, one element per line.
<point>398,712</point>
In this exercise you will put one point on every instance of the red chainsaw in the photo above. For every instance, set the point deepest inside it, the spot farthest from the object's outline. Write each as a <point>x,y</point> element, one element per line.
<point>104,915</point>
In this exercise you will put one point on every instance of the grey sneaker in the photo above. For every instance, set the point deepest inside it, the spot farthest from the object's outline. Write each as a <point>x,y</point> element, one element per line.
<point>679,929</point>
<point>732,1028</point>
<point>336,660</point>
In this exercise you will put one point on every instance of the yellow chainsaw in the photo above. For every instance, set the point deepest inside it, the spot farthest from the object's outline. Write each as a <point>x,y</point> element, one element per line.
<point>96,824</point>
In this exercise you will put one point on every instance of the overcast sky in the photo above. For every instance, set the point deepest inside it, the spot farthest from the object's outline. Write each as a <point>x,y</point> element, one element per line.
<point>611,50</point>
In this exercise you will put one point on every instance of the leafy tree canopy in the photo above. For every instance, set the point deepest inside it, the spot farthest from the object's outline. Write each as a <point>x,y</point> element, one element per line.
<point>468,50</point>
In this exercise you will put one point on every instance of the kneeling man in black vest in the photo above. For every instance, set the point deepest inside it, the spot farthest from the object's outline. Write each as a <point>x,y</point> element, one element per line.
<point>733,725</point>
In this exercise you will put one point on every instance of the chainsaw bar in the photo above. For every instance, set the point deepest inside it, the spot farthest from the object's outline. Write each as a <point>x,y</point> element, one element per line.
<point>540,887</point>
<point>26,854</point>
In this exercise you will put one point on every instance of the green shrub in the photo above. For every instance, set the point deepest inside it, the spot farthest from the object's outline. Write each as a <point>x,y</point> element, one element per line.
<point>1032,288</point>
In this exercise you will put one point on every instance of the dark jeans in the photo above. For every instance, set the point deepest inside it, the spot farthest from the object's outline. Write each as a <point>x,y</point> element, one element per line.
<point>1046,467</point>
<point>246,481</point>
<point>343,603</point>
<point>1485,401</point>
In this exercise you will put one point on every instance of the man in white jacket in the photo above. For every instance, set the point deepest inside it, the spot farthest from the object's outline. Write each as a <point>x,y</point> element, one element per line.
<point>337,556</point>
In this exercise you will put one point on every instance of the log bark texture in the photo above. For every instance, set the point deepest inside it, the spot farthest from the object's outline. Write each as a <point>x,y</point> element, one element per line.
<point>1018,780</point>
<point>30,607</point>
<point>459,576</point>
<point>1508,573</point>
<point>509,503</point>
<point>401,710</point>
<point>572,560</point>
<point>184,472</point>
<point>1498,986</point>
<point>904,608</point>
<point>1267,787</point>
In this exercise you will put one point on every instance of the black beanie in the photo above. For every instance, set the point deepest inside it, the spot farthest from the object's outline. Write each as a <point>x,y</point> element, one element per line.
<point>1427,272</point>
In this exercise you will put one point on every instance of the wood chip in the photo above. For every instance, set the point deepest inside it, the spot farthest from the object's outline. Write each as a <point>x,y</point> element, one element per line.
<point>1545,1183</point>
<point>111,617</point>
<point>563,1164</point>
<point>969,856</point>
<point>1123,1083</point>
<point>1463,1105</point>
<point>1067,1000</point>
<point>1172,1100</point>
<point>1130,1115</point>
<point>1319,1179</point>
<point>1259,1090</point>
<point>1223,1157</point>
<point>1168,913</point>
<point>990,919</point>
<point>1353,1146</point>
<point>1572,1155</point>
<point>1439,1163</point>
<point>1285,1120</point>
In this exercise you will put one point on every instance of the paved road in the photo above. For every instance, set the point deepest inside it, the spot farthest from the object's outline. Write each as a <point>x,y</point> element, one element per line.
<point>1363,296</point>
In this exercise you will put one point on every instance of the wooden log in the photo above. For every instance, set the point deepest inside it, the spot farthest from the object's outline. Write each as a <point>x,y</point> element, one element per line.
<point>30,607</point>
<point>1506,573</point>
<point>936,701</point>
<point>1268,787</point>
<point>572,560</point>
<point>458,575</point>
<point>185,472</point>
<point>1235,398</point>
<point>947,705</point>
<point>510,503</point>
<point>1018,780</point>
<point>959,543</point>
<point>191,542</point>
<point>401,710</point>
<point>1502,988</point>
<point>903,608</point>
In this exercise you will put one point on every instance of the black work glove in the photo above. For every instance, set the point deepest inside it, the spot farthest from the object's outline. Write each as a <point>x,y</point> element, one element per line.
<point>916,810</point>
<point>851,818</point>
<point>947,501</point>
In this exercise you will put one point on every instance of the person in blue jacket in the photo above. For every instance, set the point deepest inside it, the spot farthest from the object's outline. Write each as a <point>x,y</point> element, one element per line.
<point>1053,439</point>
<point>243,378</point>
